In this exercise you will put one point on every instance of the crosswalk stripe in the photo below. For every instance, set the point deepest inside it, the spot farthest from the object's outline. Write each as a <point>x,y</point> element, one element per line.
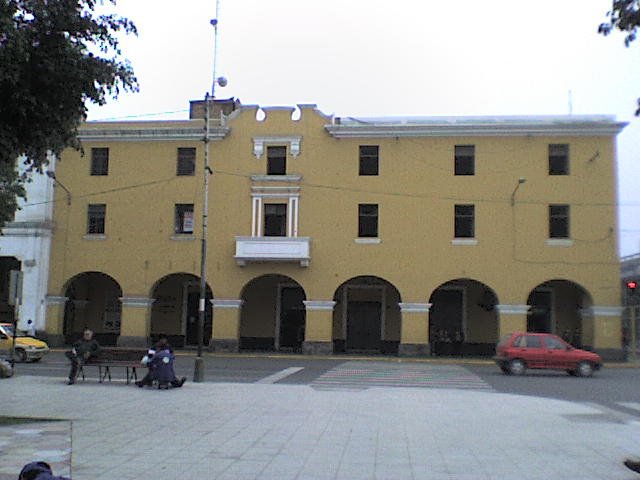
<point>352,374</point>
<point>630,405</point>
<point>280,375</point>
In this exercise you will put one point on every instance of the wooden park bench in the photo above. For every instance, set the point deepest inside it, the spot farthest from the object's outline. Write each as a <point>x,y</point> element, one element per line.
<point>107,358</point>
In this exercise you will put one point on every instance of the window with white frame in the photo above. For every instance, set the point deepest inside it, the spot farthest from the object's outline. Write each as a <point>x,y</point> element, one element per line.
<point>288,198</point>
<point>275,220</point>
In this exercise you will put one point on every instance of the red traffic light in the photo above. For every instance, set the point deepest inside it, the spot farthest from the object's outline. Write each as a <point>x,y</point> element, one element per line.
<point>632,285</point>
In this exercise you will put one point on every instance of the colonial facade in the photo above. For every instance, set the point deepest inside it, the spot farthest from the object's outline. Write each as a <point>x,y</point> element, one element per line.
<point>409,236</point>
<point>25,246</point>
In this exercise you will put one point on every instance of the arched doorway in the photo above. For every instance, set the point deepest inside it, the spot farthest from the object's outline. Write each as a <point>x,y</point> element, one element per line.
<point>463,319</point>
<point>556,306</point>
<point>7,312</point>
<point>366,317</point>
<point>93,301</point>
<point>175,310</point>
<point>273,314</point>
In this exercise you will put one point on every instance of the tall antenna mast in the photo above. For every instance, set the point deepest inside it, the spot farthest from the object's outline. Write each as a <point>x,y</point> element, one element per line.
<point>214,23</point>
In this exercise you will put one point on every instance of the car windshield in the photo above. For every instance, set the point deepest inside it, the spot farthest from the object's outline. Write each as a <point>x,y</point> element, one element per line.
<point>7,330</point>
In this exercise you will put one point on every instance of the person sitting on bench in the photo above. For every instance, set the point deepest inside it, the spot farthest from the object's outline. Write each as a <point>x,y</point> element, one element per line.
<point>84,349</point>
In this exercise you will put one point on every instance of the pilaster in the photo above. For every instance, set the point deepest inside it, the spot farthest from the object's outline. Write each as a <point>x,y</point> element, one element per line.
<point>226,325</point>
<point>318,335</point>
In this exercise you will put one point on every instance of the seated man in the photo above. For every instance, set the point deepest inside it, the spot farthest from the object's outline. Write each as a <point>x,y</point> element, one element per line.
<point>82,351</point>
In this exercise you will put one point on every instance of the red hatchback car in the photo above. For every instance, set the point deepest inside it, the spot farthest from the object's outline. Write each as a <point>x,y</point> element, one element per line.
<point>518,351</point>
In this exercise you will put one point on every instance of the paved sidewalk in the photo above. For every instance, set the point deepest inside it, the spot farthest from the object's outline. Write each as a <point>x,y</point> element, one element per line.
<point>271,431</point>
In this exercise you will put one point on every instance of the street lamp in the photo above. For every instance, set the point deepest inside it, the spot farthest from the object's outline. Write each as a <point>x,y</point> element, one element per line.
<point>198,371</point>
<point>521,180</point>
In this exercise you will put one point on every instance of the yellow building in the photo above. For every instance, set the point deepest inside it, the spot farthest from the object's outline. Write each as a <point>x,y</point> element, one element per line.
<point>409,236</point>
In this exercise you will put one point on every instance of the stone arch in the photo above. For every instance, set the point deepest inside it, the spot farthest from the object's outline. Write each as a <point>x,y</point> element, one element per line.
<point>463,319</point>
<point>366,316</point>
<point>93,301</point>
<point>175,310</point>
<point>560,306</point>
<point>273,315</point>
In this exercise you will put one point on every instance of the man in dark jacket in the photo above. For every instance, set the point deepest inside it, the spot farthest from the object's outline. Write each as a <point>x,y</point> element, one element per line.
<point>84,349</point>
<point>161,367</point>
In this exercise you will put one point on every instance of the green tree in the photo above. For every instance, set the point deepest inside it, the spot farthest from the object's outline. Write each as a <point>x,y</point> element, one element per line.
<point>56,56</point>
<point>624,16</point>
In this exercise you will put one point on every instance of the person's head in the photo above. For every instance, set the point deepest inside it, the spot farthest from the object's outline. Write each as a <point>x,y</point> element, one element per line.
<point>87,334</point>
<point>31,470</point>
<point>29,322</point>
<point>162,343</point>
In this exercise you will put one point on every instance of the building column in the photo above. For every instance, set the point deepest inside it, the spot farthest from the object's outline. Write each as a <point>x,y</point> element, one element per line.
<point>318,332</point>
<point>225,331</point>
<point>512,318</point>
<point>54,320</point>
<point>414,331</point>
<point>135,322</point>
<point>606,325</point>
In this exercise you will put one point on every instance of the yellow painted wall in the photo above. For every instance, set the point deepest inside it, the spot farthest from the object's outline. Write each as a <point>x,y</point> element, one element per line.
<point>416,192</point>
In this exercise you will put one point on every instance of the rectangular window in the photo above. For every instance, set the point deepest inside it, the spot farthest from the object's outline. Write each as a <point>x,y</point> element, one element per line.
<point>186,161</point>
<point>465,160</point>
<point>559,159</point>
<point>276,160</point>
<point>275,220</point>
<point>367,220</point>
<point>369,159</point>
<point>99,161</point>
<point>558,221</point>
<point>96,213</point>
<point>184,218</point>
<point>465,221</point>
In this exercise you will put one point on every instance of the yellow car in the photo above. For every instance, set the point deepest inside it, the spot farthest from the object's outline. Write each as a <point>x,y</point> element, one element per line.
<point>26,349</point>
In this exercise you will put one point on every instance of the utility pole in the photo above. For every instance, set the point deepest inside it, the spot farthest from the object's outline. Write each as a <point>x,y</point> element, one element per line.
<point>198,373</point>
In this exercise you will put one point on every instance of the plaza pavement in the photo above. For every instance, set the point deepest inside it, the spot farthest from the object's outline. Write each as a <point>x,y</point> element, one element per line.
<point>268,431</point>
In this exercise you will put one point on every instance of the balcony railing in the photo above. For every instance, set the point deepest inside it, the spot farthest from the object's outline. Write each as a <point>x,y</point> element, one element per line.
<point>272,249</point>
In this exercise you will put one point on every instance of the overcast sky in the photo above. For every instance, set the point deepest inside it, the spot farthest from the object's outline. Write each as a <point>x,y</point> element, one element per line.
<point>400,57</point>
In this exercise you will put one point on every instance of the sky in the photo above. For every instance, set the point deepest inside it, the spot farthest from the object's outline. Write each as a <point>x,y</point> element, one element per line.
<point>385,58</point>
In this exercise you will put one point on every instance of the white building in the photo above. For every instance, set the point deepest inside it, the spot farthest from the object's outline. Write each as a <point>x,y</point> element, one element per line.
<point>25,245</point>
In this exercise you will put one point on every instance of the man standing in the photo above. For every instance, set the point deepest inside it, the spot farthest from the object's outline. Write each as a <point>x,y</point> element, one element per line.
<point>82,350</point>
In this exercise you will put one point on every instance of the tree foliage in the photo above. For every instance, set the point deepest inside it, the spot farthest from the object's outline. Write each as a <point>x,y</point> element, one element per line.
<point>624,16</point>
<point>56,56</point>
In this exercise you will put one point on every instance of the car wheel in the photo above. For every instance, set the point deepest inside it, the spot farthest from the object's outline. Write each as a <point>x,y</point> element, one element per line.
<point>585,369</point>
<point>517,366</point>
<point>505,370</point>
<point>21,355</point>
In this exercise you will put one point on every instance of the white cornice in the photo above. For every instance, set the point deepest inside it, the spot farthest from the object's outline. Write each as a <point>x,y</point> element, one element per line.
<point>475,126</point>
<point>110,134</point>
